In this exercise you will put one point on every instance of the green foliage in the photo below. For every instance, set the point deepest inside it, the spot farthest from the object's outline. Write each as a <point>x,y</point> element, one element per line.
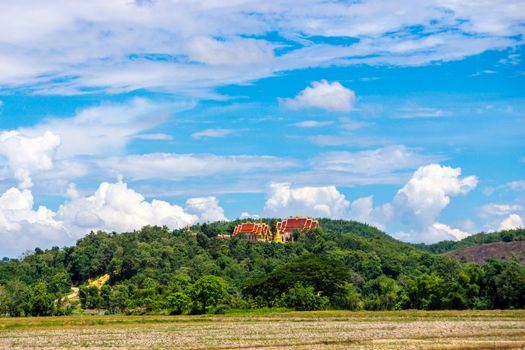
<point>209,291</point>
<point>179,303</point>
<point>41,302</point>
<point>343,264</point>
<point>382,294</point>
<point>517,234</point>
<point>305,298</point>
<point>90,297</point>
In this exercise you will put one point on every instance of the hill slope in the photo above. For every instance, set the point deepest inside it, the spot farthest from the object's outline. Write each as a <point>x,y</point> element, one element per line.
<point>343,264</point>
<point>475,240</point>
<point>497,250</point>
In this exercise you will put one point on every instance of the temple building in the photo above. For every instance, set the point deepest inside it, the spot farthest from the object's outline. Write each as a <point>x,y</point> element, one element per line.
<point>255,232</point>
<point>286,227</point>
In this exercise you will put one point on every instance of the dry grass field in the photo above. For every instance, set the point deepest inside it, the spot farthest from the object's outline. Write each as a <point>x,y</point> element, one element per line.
<point>291,330</point>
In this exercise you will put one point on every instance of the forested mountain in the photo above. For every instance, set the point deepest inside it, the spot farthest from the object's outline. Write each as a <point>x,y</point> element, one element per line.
<point>343,264</point>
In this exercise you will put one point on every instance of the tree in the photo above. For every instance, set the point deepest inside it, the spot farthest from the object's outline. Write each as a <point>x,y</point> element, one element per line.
<point>89,297</point>
<point>17,298</point>
<point>60,283</point>
<point>41,303</point>
<point>348,298</point>
<point>425,292</point>
<point>383,293</point>
<point>209,291</point>
<point>305,298</point>
<point>118,299</point>
<point>179,302</point>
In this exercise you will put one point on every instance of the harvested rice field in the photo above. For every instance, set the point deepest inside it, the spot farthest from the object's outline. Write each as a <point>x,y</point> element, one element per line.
<point>291,330</point>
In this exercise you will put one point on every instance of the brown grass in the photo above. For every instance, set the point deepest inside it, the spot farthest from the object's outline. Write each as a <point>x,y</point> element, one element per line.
<point>293,330</point>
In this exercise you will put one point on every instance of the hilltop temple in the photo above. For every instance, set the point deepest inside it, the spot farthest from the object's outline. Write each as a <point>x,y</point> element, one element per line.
<point>255,232</point>
<point>260,232</point>
<point>286,227</point>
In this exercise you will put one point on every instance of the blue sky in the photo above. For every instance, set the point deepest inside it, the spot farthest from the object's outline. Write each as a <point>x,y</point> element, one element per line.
<point>114,115</point>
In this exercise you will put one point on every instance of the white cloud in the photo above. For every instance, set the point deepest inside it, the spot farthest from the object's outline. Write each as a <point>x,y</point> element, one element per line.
<point>312,124</point>
<point>283,200</point>
<point>206,208</point>
<point>511,222</point>
<point>113,207</point>
<point>434,233</point>
<point>428,192</point>
<point>22,227</point>
<point>154,137</point>
<point>422,112</point>
<point>188,47</point>
<point>212,133</point>
<point>26,155</point>
<point>378,161</point>
<point>233,52</point>
<point>498,210</point>
<point>324,95</point>
<point>517,185</point>
<point>483,72</point>
<point>172,166</point>
<point>419,203</point>
<point>105,129</point>
<point>501,216</point>
<point>246,215</point>
<point>363,210</point>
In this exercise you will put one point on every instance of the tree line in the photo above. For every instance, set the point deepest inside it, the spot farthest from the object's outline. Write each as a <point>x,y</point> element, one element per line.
<point>342,265</point>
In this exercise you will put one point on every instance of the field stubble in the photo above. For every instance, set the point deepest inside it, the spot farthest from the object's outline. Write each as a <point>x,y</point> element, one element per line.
<point>293,330</point>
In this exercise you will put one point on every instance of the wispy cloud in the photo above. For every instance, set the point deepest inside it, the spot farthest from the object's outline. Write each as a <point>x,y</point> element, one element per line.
<point>422,112</point>
<point>312,124</point>
<point>483,72</point>
<point>193,49</point>
<point>213,133</point>
<point>154,137</point>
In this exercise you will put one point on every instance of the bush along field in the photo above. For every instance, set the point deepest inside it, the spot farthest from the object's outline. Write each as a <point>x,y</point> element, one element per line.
<point>341,265</point>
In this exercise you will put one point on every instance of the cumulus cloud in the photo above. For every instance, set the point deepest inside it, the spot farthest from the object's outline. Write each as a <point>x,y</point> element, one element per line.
<point>363,210</point>
<point>22,227</point>
<point>502,216</point>
<point>113,207</point>
<point>26,155</point>
<point>428,192</point>
<point>207,209</point>
<point>418,204</point>
<point>246,215</point>
<point>324,95</point>
<point>283,200</point>
<point>511,222</point>
<point>434,233</point>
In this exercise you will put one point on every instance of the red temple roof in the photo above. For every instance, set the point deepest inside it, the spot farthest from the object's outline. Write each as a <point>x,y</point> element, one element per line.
<point>252,228</point>
<point>297,223</point>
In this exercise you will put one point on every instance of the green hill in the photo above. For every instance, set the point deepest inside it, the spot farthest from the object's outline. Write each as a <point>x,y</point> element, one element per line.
<point>475,240</point>
<point>344,264</point>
